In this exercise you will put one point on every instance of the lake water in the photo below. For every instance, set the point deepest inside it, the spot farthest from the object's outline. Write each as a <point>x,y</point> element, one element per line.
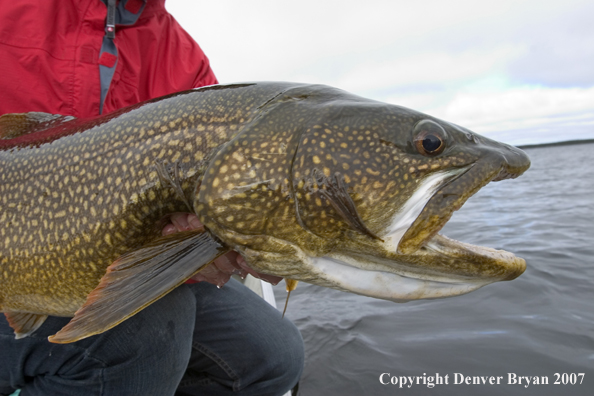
<point>540,324</point>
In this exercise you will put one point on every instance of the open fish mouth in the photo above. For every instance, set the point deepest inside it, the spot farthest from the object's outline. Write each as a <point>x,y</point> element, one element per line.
<point>414,261</point>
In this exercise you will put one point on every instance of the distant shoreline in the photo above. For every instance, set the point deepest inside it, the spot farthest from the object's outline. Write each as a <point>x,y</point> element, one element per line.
<point>564,143</point>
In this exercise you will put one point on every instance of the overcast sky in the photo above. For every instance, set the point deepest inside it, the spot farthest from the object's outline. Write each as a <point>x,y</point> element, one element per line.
<point>517,71</point>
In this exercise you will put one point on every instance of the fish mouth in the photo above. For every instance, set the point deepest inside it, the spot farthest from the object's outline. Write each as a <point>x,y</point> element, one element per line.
<point>448,255</point>
<point>460,259</point>
<point>452,192</point>
<point>418,263</point>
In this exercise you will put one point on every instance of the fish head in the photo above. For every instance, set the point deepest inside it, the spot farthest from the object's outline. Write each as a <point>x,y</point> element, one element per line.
<point>361,190</point>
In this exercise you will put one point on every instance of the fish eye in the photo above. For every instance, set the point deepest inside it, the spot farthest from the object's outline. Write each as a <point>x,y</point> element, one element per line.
<point>429,138</point>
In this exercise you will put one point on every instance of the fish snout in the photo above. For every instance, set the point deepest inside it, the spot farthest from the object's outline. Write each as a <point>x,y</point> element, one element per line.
<point>511,160</point>
<point>515,162</point>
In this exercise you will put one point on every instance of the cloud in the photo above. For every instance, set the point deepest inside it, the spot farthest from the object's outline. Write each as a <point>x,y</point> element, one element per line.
<point>435,70</point>
<point>489,109</point>
<point>559,51</point>
<point>552,41</point>
<point>524,115</point>
<point>496,67</point>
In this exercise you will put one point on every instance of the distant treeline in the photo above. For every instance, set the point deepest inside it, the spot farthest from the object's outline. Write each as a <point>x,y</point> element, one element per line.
<point>565,143</point>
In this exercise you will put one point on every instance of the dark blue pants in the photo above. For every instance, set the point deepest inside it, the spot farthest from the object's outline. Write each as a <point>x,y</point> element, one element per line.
<point>197,340</point>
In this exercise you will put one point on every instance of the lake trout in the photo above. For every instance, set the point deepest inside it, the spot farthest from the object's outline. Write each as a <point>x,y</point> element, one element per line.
<point>306,182</point>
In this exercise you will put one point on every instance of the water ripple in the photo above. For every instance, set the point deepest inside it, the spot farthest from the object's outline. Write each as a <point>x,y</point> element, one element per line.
<point>538,324</point>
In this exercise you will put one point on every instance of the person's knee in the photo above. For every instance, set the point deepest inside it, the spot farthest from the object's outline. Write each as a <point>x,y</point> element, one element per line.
<point>291,358</point>
<point>259,354</point>
<point>146,354</point>
<point>157,340</point>
<point>284,354</point>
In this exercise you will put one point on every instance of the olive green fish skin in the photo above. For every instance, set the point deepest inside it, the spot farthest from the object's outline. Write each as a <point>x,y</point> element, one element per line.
<point>284,173</point>
<point>70,207</point>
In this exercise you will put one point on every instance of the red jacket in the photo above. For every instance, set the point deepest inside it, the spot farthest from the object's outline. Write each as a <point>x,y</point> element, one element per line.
<point>49,57</point>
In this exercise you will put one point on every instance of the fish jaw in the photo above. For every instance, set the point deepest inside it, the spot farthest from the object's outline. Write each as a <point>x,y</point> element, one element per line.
<point>386,285</point>
<point>496,265</point>
<point>442,268</point>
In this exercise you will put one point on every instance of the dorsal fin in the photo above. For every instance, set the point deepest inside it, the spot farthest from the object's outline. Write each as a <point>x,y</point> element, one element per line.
<point>13,125</point>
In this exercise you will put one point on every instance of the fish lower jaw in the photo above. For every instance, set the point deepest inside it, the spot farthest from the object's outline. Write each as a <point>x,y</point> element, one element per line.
<point>386,285</point>
<point>509,265</point>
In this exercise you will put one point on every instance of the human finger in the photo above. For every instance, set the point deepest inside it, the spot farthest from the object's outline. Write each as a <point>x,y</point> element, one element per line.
<point>268,278</point>
<point>228,264</point>
<point>212,274</point>
<point>180,221</point>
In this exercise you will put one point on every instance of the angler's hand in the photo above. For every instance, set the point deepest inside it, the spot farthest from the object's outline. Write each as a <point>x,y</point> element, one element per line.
<point>219,271</point>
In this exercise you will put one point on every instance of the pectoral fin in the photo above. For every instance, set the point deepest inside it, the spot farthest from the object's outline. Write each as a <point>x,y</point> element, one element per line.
<point>138,279</point>
<point>24,324</point>
<point>337,194</point>
<point>172,181</point>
